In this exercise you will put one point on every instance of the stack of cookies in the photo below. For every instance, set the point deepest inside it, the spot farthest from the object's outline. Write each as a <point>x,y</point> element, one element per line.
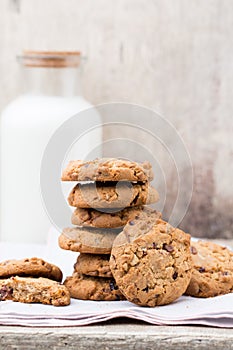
<point>126,251</point>
<point>108,194</point>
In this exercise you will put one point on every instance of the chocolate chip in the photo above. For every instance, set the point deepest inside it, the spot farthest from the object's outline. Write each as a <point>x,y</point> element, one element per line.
<point>201,269</point>
<point>131,223</point>
<point>118,297</point>
<point>168,248</point>
<point>5,292</point>
<point>193,250</point>
<point>6,289</point>
<point>145,289</point>
<point>175,275</point>
<point>154,245</point>
<point>113,286</point>
<point>137,217</point>
<point>225,273</point>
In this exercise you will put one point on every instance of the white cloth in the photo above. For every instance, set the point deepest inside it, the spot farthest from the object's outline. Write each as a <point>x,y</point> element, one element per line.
<point>217,311</point>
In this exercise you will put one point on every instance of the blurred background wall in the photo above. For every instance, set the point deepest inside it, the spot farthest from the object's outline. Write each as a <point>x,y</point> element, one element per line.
<point>175,56</point>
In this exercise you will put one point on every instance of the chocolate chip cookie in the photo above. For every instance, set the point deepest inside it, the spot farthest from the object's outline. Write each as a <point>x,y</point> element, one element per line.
<point>107,169</point>
<point>34,290</point>
<point>93,265</point>
<point>151,263</point>
<point>100,219</point>
<point>212,272</point>
<point>93,288</point>
<point>112,195</point>
<point>33,267</point>
<point>88,240</point>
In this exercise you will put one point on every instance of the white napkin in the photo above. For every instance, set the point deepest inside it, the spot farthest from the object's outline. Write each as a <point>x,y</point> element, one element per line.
<point>217,311</point>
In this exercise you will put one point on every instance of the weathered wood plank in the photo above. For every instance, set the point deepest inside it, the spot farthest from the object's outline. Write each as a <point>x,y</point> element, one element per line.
<point>115,335</point>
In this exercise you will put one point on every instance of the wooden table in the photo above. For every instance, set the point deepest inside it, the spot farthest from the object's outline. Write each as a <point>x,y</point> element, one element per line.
<point>117,334</point>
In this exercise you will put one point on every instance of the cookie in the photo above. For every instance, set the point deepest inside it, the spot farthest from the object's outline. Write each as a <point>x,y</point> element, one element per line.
<point>34,290</point>
<point>93,265</point>
<point>152,266</point>
<point>87,240</point>
<point>112,195</point>
<point>92,288</point>
<point>212,272</point>
<point>107,169</point>
<point>140,225</point>
<point>33,267</point>
<point>94,218</point>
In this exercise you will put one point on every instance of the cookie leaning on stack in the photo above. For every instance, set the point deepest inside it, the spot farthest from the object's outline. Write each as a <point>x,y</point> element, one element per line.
<point>151,262</point>
<point>117,194</point>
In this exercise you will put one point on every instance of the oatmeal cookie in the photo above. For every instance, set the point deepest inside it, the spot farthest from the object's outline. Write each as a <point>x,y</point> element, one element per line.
<point>110,219</point>
<point>112,195</point>
<point>107,169</point>
<point>93,265</point>
<point>88,240</point>
<point>93,288</point>
<point>212,272</point>
<point>151,262</point>
<point>34,290</point>
<point>30,267</point>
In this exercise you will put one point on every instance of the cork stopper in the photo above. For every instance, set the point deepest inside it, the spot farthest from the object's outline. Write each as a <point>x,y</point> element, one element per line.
<point>50,59</point>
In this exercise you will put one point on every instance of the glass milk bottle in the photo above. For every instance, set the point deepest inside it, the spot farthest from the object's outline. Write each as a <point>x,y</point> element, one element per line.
<point>52,95</point>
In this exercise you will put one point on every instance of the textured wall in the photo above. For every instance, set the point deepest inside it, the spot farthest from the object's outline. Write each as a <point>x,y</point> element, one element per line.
<point>172,56</point>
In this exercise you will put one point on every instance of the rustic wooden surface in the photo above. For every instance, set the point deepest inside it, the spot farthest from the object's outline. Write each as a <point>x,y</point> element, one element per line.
<point>115,335</point>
